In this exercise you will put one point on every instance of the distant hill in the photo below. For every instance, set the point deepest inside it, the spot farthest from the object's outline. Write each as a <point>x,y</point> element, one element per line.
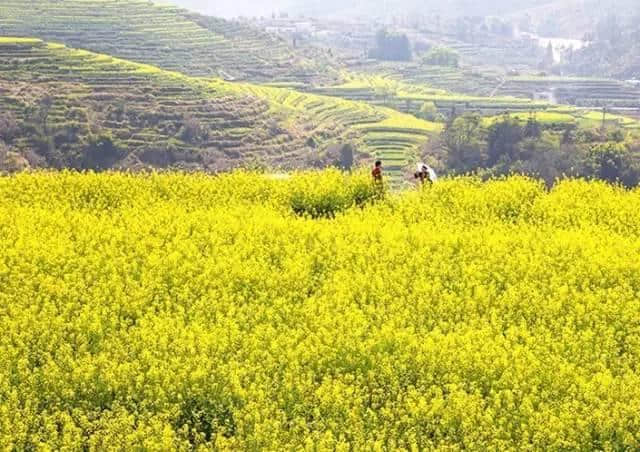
<point>249,8</point>
<point>611,26</point>
<point>618,57</point>
<point>573,18</point>
<point>165,36</point>
<point>379,8</point>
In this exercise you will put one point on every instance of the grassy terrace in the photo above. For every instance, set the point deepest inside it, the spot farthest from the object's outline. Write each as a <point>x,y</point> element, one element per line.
<point>164,36</point>
<point>456,80</point>
<point>381,132</point>
<point>570,115</point>
<point>386,91</point>
<point>487,82</point>
<point>145,109</point>
<point>585,92</point>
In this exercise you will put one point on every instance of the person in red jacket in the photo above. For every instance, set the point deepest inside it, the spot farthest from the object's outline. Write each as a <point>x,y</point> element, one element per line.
<point>377,173</point>
<point>378,181</point>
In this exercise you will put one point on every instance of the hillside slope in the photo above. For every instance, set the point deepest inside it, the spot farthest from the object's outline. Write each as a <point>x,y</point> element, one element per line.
<point>71,104</point>
<point>64,99</point>
<point>162,35</point>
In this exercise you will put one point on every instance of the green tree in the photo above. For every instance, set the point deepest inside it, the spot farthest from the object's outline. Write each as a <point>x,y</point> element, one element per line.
<point>101,153</point>
<point>533,128</point>
<point>545,157</point>
<point>37,127</point>
<point>191,131</point>
<point>549,58</point>
<point>503,139</point>
<point>466,143</point>
<point>4,150</point>
<point>614,162</point>
<point>442,56</point>
<point>429,111</point>
<point>391,47</point>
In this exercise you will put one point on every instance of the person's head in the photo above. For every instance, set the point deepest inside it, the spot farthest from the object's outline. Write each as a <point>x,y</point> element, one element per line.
<point>378,164</point>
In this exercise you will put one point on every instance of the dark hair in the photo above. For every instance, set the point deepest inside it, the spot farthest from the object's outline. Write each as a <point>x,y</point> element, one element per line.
<point>378,163</point>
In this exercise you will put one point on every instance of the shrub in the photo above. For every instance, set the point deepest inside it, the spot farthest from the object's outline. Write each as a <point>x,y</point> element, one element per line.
<point>429,111</point>
<point>4,149</point>
<point>9,128</point>
<point>330,194</point>
<point>101,153</point>
<point>191,131</point>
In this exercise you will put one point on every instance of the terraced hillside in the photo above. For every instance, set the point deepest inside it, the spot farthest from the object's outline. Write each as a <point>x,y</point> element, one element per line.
<point>458,80</point>
<point>410,97</point>
<point>66,98</point>
<point>73,102</point>
<point>580,117</point>
<point>587,92</point>
<point>164,36</point>
<point>380,132</point>
<point>488,89</point>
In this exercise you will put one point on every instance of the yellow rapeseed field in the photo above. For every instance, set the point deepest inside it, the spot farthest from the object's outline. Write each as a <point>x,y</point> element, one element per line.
<point>239,312</point>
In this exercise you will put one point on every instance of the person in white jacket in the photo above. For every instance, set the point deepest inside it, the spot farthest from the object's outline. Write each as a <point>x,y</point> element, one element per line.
<point>425,174</point>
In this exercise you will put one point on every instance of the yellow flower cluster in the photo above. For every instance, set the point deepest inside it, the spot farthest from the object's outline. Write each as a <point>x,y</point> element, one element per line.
<point>242,312</point>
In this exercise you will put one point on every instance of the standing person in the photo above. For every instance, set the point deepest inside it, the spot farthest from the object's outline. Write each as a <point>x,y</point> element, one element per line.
<point>425,174</point>
<point>378,181</point>
<point>377,173</point>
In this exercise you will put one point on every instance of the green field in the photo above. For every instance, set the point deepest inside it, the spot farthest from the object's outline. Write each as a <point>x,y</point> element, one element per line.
<point>583,118</point>
<point>410,97</point>
<point>141,107</point>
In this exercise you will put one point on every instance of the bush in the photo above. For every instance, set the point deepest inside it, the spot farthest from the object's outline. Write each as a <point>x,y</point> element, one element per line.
<point>503,139</point>
<point>9,128</point>
<point>429,111</point>
<point>192,131</point>
<point>333,192</point>
<point>465,139</point>
<point>101,153</point>
<point>508,146</point>
<point>14,163</point>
